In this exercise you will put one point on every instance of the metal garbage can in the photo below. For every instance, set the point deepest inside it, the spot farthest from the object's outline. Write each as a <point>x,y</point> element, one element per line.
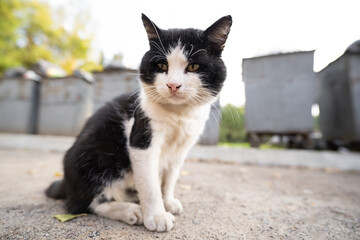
<point>280,90</point>
<point>19,98</point>
<point>339,99</point>
<point>65,105</point>
<point>111,83</point>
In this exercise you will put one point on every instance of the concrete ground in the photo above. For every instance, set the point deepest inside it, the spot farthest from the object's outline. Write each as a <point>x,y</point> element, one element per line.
<point>222,200</point>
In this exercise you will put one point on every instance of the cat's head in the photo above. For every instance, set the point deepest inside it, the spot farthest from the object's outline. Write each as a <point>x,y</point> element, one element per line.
<point>184,66</point>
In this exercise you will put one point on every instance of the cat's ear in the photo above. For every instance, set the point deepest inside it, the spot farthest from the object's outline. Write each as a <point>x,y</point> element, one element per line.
<point>151,29</point>
<point>218,32</point>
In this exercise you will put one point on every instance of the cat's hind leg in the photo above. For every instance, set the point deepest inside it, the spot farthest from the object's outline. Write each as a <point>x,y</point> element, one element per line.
<point>126,212</point>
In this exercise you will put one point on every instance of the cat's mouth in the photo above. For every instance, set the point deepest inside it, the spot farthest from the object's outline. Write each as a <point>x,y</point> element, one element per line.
<point>176,98</point>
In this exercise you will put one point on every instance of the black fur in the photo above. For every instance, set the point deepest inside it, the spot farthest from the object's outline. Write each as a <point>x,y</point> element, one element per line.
<point>104,199</point>
<point>57,190</point>
<point>140,136</point>
<point>99,154</point>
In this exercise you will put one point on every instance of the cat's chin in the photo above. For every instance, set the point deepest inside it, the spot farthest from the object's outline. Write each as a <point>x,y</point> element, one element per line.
<point>176,100</point>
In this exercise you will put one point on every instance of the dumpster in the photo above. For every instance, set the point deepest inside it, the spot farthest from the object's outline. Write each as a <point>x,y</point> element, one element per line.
<point>111,83</point>
<point>280,91</point>
<point>65,105</point>
<point>19,99</point>
<point>339,98</point>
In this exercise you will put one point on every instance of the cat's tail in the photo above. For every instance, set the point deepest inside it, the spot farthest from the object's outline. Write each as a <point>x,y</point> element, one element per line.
<point>56,190</point>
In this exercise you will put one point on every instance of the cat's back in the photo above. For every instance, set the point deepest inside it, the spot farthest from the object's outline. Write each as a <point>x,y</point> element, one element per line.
<point>112,114</point>
<point>102,144</point>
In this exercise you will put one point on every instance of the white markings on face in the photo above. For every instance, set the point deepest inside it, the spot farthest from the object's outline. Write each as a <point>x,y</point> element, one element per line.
<point>177,86</point>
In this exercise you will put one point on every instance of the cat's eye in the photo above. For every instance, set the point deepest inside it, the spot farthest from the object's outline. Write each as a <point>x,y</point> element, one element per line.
<point>163,67</point>
<point>192,67</point>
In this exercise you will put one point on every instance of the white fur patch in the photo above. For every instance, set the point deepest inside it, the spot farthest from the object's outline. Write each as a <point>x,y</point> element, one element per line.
<point>175,129</point>
<point>190,82</point>
<point>129,213</point>
<point>117,190</point>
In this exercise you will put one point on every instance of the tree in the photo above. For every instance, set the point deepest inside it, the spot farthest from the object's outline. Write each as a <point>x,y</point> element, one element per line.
<point>31,32</point>
<point>9,23</point>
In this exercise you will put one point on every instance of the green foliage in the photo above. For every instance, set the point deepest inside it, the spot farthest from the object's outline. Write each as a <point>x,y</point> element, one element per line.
<point>316,124</point>
<point>30,32</point>
<point>235,144</point>
<point>263,146</point>
<point>9,23</point>
<point>90,66</point>
<point>232,127</point>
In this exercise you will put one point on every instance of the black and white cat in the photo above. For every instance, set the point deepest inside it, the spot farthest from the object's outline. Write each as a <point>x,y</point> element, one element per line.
<point>125,162</point>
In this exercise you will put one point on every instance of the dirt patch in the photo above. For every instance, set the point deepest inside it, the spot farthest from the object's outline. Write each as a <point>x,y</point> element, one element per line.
<point>221,201</point>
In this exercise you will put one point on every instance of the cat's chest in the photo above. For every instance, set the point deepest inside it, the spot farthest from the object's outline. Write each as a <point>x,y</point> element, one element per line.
<point>178,133</point>
<point>175,140</point>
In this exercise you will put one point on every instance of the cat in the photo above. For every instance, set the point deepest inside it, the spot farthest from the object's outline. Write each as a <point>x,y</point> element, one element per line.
<point>126,160</point>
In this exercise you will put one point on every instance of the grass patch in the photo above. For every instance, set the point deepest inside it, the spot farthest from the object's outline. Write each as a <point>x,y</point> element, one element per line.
<point>247,145</point>
<point>235,144</point>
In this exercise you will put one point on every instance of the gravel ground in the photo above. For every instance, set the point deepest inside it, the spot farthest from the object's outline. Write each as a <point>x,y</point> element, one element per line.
<point>221,201</point>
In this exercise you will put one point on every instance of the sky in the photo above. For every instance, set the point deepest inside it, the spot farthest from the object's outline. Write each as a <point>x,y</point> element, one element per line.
<point>260,27</point>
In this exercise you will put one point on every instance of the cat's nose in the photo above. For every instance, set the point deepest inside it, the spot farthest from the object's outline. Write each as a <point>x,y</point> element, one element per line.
<point>173,86</point>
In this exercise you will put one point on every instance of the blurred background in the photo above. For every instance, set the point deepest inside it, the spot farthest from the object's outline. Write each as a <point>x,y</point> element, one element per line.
<point>293,67</point>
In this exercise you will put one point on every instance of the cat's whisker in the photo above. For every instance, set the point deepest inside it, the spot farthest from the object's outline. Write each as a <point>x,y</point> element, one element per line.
<point>193,102</point>
<point>153,96</point>
<point>218,124</point>
<point>216,108</point>
<point>137,102</point>
<point>157,57</point>
<point>162,45</point>
<point>137,106</point>
<point>134,93</point>
<point>200,50</point>
<point>236,110</point>
<point>189,53</point>
<point>199,100</point>
<point>149,86</point>
<point>160,53</point>
<point>232,116</point>
<point>156,45</point>
<point>203,95</point>
<point>233,109</point>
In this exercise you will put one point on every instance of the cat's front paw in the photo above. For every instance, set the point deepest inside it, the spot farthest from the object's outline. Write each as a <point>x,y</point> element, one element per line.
<point>173,205</point>
<point>161,222</point>
<point>133,215</point>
